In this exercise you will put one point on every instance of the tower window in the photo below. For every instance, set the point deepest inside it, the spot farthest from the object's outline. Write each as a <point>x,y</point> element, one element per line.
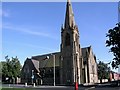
<point>67,40</point>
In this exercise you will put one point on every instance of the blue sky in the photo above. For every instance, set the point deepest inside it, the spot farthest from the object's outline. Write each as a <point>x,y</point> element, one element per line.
<point>30,29</point>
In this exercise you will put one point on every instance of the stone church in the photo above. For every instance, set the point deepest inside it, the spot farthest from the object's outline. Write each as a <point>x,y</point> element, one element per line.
<point>72,64</point>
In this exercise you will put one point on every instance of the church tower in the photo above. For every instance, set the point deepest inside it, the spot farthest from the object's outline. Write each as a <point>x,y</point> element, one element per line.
<point>71,61</point>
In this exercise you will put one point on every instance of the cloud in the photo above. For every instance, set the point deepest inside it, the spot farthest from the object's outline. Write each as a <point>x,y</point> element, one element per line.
<point>28,45</point>
<point>38,47</point>
<point>28,31</point>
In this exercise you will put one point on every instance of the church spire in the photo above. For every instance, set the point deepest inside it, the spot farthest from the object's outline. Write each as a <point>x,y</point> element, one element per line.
<point>69,18</point>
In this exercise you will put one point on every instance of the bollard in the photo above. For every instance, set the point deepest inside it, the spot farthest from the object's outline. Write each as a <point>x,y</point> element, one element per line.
<point>33,84</point>
<point>9,85</point>
<point>25,84</point>
<point>76,85</point>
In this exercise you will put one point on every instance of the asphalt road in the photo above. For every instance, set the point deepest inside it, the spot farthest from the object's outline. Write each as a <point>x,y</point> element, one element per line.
<point>80,88</point>
<point>103,88</point>
<point>62,87</point>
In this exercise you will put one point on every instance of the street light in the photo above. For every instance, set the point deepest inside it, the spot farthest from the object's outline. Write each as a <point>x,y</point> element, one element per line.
<point>47,57</point>
<point>54,68</point>
<point>43,73</point>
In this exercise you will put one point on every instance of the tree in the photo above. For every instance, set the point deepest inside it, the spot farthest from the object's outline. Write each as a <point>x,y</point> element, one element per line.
<point>4,70</point>
<point>103,71</point>
<point>114,43</point>
<point>10,69</point>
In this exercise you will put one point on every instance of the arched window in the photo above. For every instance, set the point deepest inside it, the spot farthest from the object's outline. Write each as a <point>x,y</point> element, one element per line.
<point>67,40</point>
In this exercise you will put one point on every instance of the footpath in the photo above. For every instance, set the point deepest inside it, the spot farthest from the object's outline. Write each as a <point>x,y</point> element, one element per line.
<point>106,84</point>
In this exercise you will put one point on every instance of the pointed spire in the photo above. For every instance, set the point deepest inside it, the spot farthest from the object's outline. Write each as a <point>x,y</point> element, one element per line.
<point>69,18</point>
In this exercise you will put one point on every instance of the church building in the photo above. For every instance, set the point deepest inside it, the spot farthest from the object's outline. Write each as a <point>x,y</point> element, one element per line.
<point>72,64</point>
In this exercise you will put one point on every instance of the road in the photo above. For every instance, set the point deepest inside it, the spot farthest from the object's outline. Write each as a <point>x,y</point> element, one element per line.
<point>80,88</point>
<point>62,87</point>
<point>102,88</point>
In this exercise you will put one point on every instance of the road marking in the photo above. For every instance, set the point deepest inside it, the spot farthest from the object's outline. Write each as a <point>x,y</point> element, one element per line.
<point>89,88</point>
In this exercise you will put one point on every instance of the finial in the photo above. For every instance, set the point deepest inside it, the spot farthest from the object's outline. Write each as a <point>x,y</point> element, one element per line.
<point>68,0</point>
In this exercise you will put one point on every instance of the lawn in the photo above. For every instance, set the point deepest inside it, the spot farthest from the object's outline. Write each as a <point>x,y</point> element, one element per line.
<point>16,89</point>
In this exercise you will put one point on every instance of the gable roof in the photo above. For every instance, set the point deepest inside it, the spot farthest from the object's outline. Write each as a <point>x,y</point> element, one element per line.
<point>32,64</point>
<point>35,64</point>
<point>86,51</point>
<point>44,62</point>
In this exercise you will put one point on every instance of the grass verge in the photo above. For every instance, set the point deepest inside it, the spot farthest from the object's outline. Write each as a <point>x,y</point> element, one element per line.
<point>16,89</point>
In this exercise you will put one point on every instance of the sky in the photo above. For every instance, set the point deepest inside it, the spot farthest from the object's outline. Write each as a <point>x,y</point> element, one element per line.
<point>34,28</point>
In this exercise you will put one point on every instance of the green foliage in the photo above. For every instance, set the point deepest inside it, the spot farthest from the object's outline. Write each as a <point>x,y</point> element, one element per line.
<point>10,68</point>
<point>4,69</point>
<point>114,43</point>
<point>103,70</point>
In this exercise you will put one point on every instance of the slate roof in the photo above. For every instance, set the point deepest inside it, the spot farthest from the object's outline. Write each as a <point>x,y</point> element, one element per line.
<point>44,62</point>
<point>32,64</point>
<point>86,51</point>
<point>35,64</point>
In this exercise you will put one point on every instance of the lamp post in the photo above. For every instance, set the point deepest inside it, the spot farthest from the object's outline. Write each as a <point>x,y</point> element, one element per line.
<point>47,57</point>
<point>54,68</point>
